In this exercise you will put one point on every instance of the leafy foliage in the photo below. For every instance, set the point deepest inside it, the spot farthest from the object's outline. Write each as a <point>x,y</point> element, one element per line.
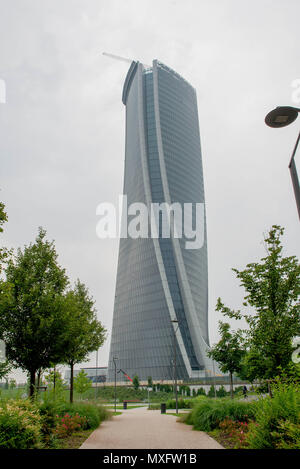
<point>84,333</point>
<point>221,392</point>
<point>136,382</point>
<point>69,424</point>
<point>82,383</point>
<point>182,404</point>
<point>5,368</point>
<point>31,307</point>
<point>277,419</point>
<point>228,352</point>
<point>236,432</point>
<point>93,415</point>
<point>3,251</point>
<point>55,386</point>
<point>20,425</point>
<point>272,295</point>
<point>211,391</point>
<point>208,413</point>
<point>3,216</point>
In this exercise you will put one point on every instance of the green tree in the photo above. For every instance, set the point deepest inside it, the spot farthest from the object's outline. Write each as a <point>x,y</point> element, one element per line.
<point>4,252</point>
<point>12,384</point>
<point>55,384</point>
<point>150,382</point>
<point>82,383</point>
<point>221,392</point>
<point>31,307</point>
<point>3,216</point>
<point>272,295</point>
<point>228,352</point>
<point>84,333</point>
<point>211,392</point>
<point>136,382</point>
<point>5,368</point>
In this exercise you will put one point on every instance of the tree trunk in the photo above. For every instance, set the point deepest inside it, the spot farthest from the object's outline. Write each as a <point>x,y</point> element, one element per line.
<point>71,381</point>
<point>39,378</point>
<point>231,385</point>
<point>269,389</point>
<point>54,381</point>
<point>32,384</point>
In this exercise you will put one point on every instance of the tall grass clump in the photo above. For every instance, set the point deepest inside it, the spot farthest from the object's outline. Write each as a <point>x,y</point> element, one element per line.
<point>93,415</point>
<point>182,404</point>
<point>207,414</point>
<point>277,420</point>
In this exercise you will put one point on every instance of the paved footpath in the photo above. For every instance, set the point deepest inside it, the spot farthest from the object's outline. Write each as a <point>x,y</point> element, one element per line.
<point>147,429</point>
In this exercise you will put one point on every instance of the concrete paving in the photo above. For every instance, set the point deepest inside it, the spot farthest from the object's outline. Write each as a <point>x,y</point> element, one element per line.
<point>147,429</point>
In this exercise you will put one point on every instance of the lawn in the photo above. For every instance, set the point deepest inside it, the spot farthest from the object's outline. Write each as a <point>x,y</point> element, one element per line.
<point>75,440</point>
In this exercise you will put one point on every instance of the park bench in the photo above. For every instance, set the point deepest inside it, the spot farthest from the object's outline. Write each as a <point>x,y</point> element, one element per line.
<point>126,401</point>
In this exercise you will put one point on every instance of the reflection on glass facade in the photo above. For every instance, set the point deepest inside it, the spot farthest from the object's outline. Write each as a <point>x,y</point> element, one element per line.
<point>96,375</point>
<point>159,280</point>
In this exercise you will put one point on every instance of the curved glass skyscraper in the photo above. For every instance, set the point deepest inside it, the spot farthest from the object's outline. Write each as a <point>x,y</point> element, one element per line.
<point>158,279</point>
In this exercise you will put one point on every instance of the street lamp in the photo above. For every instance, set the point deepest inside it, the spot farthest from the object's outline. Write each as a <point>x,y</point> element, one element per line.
<point>281,117</point>
<point>174,321</point>
<point>115,363</point>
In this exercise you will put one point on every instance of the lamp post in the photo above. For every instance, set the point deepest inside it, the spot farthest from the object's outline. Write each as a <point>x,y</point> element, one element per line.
<point>174,321</point>
<point>115,363</point>
<point>281,117</point>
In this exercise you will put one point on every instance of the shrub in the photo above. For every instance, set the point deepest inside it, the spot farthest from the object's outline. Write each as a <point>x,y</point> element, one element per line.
<point>208,413</point>
<point>50,411</point>
<point>288,435</point>
<point>182,404</point>
<point>238,390</point>
<point>20,425</point>
<point>221,392</point>
<point>201,392</point>
<point>235,432</point>
<point>211,392</point>
<point>69,424</point>
<point>277,419</point>
<point>94,415</point>
<point>128,393</point>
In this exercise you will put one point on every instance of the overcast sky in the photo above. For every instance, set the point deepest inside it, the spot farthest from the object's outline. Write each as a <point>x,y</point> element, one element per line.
<point>62,127</point>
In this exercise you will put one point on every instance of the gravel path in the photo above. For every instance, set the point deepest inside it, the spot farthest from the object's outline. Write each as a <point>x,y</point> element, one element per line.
<point>147,429</point>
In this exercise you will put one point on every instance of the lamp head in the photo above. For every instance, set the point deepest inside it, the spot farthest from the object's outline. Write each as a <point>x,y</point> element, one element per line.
<point>281,116</point>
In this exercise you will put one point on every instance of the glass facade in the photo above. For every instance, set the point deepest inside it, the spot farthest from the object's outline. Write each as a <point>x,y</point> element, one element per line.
<point>96,375</point>
<point>158,280</point>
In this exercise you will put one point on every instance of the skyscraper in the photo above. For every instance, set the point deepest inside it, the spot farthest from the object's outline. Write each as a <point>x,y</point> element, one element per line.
<point>158,279</point>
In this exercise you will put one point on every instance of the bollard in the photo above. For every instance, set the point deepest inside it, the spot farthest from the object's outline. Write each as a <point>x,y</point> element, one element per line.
<point>163,407</point>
